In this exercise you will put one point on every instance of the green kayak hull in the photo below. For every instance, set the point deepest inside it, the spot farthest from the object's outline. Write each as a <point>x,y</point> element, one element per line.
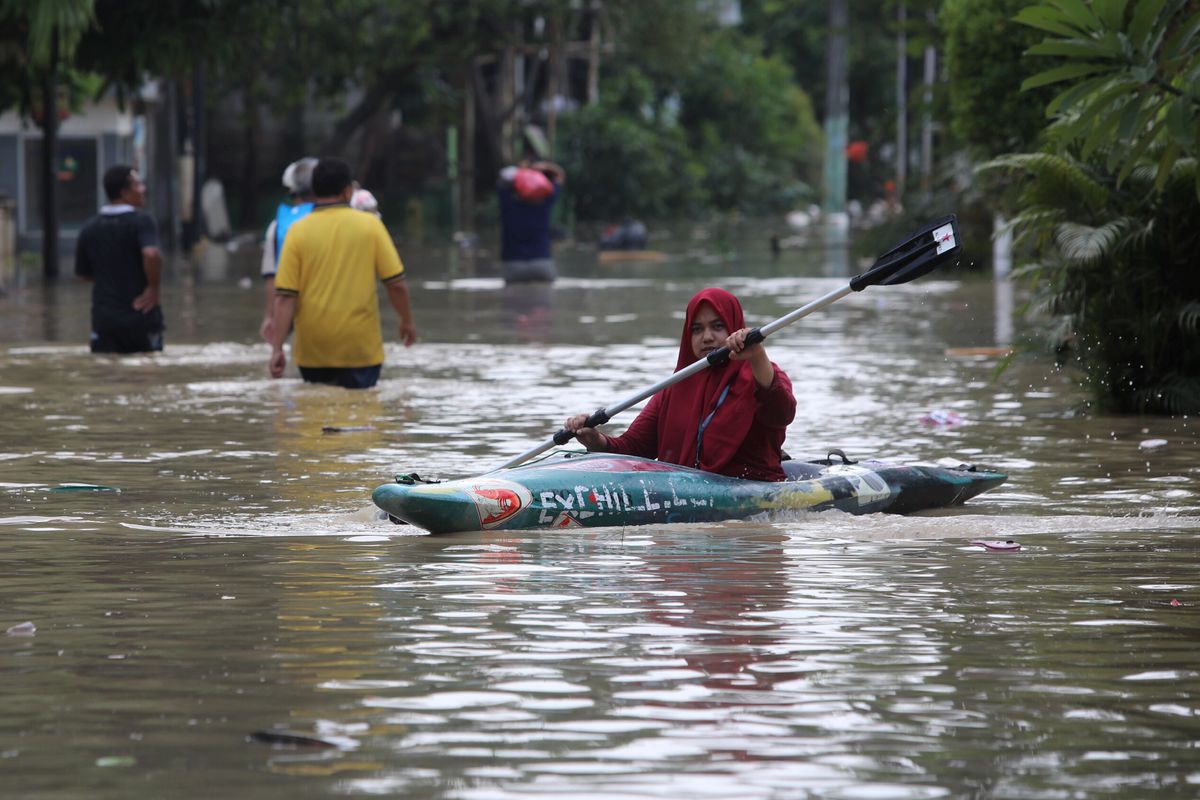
<point>590,490</point>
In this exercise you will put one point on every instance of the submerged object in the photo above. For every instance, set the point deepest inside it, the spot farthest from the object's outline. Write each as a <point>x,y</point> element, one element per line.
<point>285,739</point>
<point>1006,546</point>
<point>625,256</point>
<point>586,490</point>
<point>83,487</point>
<point>941,417</point>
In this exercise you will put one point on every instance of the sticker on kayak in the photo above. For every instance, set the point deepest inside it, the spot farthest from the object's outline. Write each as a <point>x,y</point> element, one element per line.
<point>868,486</point>
<point>497,501</point>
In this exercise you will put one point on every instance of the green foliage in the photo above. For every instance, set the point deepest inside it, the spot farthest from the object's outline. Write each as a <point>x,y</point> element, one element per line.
<point>39,22</point>
<point>1119,270</point>
<point>27,30</point>
<point>751,126</point>
<point>625,164</point>
<point>983,48</point>
<point>1132,76</point>
<point>799,32</point>
<point>724,129</point>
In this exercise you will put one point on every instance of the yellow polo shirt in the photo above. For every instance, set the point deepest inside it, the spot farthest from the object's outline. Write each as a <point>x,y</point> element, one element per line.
<point>330,261</point>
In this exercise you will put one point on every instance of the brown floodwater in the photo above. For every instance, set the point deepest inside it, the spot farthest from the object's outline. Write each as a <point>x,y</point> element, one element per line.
<point>200,560</point>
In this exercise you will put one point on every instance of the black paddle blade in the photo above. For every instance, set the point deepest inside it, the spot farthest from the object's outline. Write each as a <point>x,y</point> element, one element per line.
<point>924,251</point>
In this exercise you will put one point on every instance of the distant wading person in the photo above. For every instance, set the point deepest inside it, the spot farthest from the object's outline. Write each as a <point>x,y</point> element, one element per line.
<point>326,286</point>
<point>297,179</point>
<point>118,252</point>
<point>527,193</point>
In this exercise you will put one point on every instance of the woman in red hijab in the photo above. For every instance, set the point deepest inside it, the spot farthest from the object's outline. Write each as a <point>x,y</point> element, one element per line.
<point>730,419</point>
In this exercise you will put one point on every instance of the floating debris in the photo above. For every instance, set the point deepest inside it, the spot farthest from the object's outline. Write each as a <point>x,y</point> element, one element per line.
<point>942,417</point>
<point>283,739</point>
<point>346,428</point>
<point>1007,546</point>
<point>963,352</point>
<point>23,629</point>
<point>83,487</point>
<point>1150,444</point>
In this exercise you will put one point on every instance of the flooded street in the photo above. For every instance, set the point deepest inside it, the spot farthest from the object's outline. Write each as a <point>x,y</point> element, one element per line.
<point>195,545</point>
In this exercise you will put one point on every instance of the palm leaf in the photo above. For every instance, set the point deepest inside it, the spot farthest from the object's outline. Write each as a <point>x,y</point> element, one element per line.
<point>1057,174</point>
<point>1189,318</point>
<point>1087,245</point>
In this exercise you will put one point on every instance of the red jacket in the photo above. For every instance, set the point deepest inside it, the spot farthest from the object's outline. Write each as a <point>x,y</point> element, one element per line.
<point>758,456</point>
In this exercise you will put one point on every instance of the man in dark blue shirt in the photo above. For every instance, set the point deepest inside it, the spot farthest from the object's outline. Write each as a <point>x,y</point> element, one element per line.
<point>525,221</point>
<point>118,251</point>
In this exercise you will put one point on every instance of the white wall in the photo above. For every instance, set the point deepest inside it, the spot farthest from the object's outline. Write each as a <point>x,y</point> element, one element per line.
<point>96,118</point>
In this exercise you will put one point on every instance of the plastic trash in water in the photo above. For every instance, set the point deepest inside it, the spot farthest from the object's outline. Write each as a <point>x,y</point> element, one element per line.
<point>1006,546</point>
<point>22,629</point>
<point>942,417</point>
<point>1150,444</point>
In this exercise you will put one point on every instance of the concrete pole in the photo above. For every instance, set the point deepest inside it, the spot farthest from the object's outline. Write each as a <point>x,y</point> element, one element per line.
<point>837,106</point>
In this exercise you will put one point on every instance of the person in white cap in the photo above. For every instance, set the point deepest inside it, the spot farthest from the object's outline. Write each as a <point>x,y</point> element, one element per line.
<point>297,179</point>
<point>363,200</point>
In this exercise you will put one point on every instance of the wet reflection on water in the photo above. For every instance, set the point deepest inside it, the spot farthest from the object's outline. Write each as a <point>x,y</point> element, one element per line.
<point>239,579</point>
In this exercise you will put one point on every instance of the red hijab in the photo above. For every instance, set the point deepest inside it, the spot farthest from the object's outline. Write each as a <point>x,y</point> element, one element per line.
<point>686,404</point>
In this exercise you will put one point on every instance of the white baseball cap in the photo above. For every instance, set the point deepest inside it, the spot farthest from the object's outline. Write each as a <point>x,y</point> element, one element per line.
<point>297,177</point>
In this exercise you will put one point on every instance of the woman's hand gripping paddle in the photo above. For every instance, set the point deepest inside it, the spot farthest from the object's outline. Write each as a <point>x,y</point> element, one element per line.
<point>922,252</point>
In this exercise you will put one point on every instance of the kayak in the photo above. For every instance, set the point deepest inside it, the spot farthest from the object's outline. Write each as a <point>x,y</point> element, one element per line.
<point>589,490</point>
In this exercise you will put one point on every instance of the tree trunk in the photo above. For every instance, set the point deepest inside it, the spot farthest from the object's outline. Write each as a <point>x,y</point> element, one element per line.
<point>901,98</point>
<point>370,103</point>
<point>927,124</point>
<point>466,173</point>
<point>247,214</point>
<point>49,153</point>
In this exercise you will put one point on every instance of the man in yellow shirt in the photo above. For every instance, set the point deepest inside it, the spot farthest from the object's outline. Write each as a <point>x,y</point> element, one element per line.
<point>326,285</point>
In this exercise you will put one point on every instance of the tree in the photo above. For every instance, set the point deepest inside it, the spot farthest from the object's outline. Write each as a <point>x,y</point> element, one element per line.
<point>1112,199</point>
<point>984,47</point>
<point>40,35</point>
<point>1117,271</point>
<point>1132,78</point>
<point>750,125</point>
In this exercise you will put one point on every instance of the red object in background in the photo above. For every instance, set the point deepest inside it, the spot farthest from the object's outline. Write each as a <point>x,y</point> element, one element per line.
<point>39,116</point>
<point>857,151</point>
<point>531,185</point>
